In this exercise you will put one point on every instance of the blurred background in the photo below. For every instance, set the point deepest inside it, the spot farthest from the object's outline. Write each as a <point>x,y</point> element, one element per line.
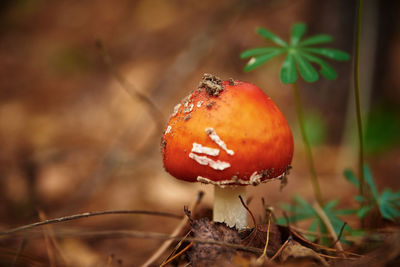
<point>73,140</point>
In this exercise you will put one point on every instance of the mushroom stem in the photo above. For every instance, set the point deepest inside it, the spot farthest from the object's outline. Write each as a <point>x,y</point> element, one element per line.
<point>228,208</point>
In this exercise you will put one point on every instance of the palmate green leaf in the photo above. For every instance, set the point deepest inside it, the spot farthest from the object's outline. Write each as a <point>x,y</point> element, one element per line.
<point>298,30</point>
<point>300,56</point>
<point>307,72</point>
<point>254,62</point>
<point>329,53</point>
<point>317,39</point>
<point>272,37</point>
<point>326,70</point>
<point>288,70</point>
<point>260,51</point>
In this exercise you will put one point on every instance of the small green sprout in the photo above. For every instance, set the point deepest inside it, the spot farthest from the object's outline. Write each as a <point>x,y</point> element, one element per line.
<point>300,54</point>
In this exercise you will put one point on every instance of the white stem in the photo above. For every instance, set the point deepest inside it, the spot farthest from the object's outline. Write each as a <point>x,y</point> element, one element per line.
<point>228,208</point>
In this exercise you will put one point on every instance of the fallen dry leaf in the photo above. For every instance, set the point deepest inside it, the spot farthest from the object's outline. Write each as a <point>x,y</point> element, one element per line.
<point>296,252</point>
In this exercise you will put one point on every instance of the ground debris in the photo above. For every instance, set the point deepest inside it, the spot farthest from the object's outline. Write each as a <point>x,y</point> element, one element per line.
<point>203,254</point>
<point>258,237</point>
<point>295,252</point>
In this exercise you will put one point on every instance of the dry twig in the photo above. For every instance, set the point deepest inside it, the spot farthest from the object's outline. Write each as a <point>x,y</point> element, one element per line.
<point>328,225</point>
<point>264,256</point>
<point>176,255</point>
<point>281,248</point>
<point>176,247</point>
<point>85,215</point>
<point>152,235</point>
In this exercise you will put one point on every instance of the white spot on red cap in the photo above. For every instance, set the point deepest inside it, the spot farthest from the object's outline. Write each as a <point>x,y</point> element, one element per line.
<point>198,148</point>
<point>214,136</point>
<point>215,164</point>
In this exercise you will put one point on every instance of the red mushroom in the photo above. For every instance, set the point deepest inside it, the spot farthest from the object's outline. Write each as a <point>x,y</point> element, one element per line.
<point>229,134</point>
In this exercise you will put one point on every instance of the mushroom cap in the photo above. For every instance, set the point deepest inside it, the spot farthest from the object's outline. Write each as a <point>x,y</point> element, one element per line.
<point>227,133</point>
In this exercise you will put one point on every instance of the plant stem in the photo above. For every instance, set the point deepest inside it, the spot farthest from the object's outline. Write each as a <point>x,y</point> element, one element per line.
<point>306,142</point>
<point>357,98</point>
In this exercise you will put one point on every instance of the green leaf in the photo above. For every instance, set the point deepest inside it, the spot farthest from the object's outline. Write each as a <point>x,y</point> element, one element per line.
<point>357,232</point>
<point>329,53</point>
<point>281,221</point>
<point>298,217</point>
<point>330,205</point>
<point>389,204</point>
<point>370,181</point>
<point>307,72</point>
<point>395,196</point>
<point>298,31</point>
<point>388,212</point>
<point>254,62</point>
<point>302,202</point>
<point>313,228</point>
<point>260,51</point>
<point>322,227</point>
<point>359,199</point>
<point>351,177</point>
<point>326,70</point>
<point>270,36</point>
<point>288,70</point>
<point>317,39</point>
<point>386,195</point>
<point>363,211</point>
<point>346,212</point>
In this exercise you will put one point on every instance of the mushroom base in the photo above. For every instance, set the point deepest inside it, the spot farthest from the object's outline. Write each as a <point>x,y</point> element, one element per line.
<point>228,208</point>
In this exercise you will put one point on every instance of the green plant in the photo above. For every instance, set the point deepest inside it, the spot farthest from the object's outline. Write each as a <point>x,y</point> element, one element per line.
<point>387,202</point>
<point>303,210</point>
<point>300,57</point>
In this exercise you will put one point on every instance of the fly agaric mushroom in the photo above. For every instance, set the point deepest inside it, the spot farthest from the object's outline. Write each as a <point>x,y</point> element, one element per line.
<point>229,134</point>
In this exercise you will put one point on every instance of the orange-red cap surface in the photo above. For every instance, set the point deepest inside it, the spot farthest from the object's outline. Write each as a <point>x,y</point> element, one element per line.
<point>227,133</point>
